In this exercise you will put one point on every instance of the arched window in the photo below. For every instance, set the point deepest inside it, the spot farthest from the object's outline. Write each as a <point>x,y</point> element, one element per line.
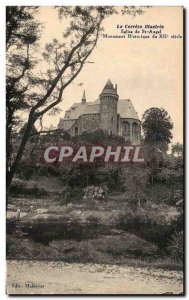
<point>126,128</point>
<point>126,131</point>
<point>135,129</point>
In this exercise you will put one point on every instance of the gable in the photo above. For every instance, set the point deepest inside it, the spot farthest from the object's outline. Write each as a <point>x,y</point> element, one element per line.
<point>126,110</point>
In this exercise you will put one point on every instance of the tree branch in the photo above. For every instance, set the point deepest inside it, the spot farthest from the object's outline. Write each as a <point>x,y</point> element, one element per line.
<point>57,78</point>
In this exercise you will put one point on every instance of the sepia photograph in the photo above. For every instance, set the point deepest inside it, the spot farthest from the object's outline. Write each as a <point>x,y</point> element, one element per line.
<point>95,150</point>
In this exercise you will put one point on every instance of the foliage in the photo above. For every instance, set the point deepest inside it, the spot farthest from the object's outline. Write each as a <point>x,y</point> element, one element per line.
<point>26,171</point>
<point>134,10</point>
<point>177,149</point>
<point>149,224</point>
<point>71,195</point>
<point>38,94</point>
<point>157,126</point>
<point>95,193</point>
<point>22,189</point>
<point>22,34</point>
<point>98,137</point>
<point>161,166</point>
<point>135,180</point>
<point>169,175</point>
<point>176,246</point>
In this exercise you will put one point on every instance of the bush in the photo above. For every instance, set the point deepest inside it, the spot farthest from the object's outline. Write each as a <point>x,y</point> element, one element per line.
<point>148,225</point>
<point>26,171</point>
<point>93,220</point>
<point>22,189</point>
<point>95,193</point>
<point>98,137</point>
<point>176,247</point>
<point>72,195</point>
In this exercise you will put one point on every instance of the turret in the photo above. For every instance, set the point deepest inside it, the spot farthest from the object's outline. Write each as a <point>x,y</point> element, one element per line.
<point>83,98</point>
<point>108,108</point>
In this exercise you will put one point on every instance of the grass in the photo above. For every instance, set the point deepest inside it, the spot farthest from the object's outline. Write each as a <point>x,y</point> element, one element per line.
<point>109,250</point>
<point>93,233</point>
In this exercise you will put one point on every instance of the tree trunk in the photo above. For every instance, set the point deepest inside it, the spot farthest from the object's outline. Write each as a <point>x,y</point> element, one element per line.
<point>9,122</point>
<point>14,167</point>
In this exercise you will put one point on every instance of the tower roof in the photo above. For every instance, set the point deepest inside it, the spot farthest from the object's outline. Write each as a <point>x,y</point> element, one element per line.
<point>109,88</point>
<point>109,84</point>
<point>83,98</point>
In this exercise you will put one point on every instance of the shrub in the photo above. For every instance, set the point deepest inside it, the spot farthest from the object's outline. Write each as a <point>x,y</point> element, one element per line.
<point>72,195</point>
<point>26,171</point>
<point>22,189</point>
<point>95,192</point>
<point>147,224</point>
<point>93,220</point>
<point>176,247</point>
<point>98,137</point>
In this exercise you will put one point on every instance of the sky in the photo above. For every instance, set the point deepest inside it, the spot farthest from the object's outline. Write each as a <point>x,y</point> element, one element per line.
<point>147,71</point>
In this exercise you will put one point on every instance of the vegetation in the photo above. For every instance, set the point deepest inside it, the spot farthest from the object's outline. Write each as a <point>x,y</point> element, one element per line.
<point>157,128</point>
<point>106,213</point>
<point>177,149</point>
<point>102,203</point>
<point>37,95</point>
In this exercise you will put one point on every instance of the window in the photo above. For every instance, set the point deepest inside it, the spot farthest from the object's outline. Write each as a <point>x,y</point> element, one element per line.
<point>135,129</point>
<point>126,131</point>
<point>126,128</point>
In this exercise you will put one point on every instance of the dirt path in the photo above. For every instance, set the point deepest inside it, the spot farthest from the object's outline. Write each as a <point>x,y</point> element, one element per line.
<point>61,278</point>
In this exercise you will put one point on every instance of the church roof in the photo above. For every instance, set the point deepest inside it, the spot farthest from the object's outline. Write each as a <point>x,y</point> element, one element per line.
<point>125,110</point>
<point>78,109</point>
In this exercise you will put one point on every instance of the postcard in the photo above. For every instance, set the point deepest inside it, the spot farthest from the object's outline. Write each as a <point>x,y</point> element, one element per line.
<point>94,150</point>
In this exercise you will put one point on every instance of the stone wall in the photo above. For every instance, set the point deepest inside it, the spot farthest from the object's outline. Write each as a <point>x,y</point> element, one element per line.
<point>130,129</point>
<point>88,123</point>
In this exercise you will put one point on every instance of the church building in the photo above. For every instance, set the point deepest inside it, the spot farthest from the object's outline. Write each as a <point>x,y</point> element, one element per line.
<point>109,113</point>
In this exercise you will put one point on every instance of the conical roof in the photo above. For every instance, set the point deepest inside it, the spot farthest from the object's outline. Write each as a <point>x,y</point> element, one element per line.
<point>109,88</point>
<point>84,96</point>
<point>83,100</point>
<point>109,84</point>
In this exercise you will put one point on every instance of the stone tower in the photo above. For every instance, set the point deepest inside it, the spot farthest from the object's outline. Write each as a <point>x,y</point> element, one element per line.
<point>108,108</point>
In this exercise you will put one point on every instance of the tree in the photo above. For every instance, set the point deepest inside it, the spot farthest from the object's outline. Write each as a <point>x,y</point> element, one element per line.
<point>22,33</point>
<point>177,149</point>
<point>40,94</point>
<point>33,130</point>
<point>135,179</point>
<point>157,126</point>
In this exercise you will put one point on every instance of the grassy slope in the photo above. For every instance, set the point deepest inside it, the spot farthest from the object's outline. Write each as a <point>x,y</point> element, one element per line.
<point>110,248</point>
